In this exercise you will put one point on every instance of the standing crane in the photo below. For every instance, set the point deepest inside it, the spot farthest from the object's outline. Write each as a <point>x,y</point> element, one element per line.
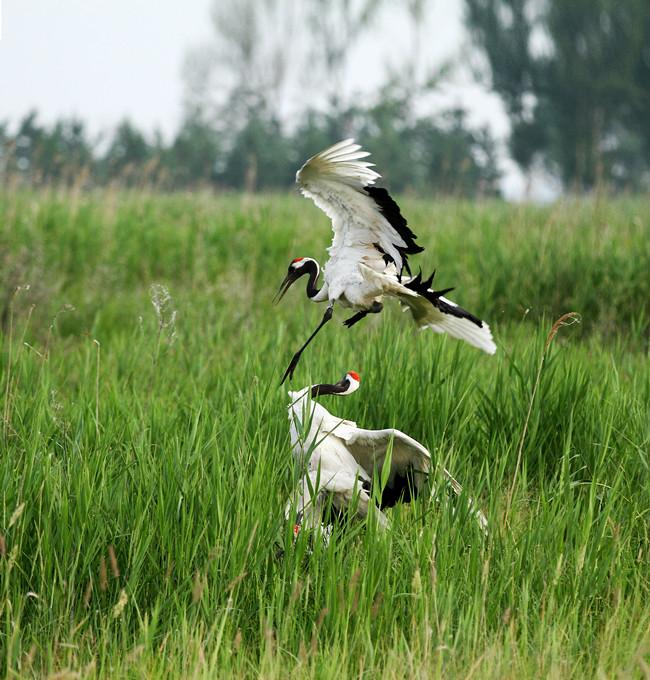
<point>342,459</point>
<point>369,253</point>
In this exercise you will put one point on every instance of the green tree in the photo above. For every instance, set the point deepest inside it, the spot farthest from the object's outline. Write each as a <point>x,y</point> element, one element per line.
<point>60,154</point>
<point>259,156</point>
<point>127,154</point>
<point>438,154</point>
<point>455,159</point>
<point>24,152</point>
<point>64,153</point>
<point>5,148</point>
<point>191,159</point>
<point>573,75</point>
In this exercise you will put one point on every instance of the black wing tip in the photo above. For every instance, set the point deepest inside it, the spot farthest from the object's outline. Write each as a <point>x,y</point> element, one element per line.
<point>423,288</point>
<point>401,489</point>
<point>390,210</point>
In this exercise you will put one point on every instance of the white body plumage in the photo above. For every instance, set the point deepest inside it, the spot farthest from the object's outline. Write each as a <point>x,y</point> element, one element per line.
<point>342,460</point>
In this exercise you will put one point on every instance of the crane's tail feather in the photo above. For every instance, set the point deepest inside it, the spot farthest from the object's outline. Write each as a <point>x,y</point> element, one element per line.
<point>430,309</point>
<point>461,329</point>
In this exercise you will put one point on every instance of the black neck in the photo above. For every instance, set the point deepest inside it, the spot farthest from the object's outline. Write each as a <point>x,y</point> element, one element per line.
<point>325,388</point>
<point>311,268</point>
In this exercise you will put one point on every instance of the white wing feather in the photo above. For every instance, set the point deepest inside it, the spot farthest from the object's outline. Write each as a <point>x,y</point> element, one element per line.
<point>335,179</point>
<point>340,163</point>
<point>370,447</point>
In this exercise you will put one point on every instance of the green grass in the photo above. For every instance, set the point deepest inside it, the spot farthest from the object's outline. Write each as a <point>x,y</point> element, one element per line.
<point>144,463</point>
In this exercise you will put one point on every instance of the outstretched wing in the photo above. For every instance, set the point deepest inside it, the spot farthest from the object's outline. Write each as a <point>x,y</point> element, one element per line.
<point>366,221</point>
<point>410,461</point>
<point>410,465</point>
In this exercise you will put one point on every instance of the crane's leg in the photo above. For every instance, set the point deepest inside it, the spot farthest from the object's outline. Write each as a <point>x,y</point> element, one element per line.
<point>355,319</point>
<point>375,309</point>
<point>296,357</point>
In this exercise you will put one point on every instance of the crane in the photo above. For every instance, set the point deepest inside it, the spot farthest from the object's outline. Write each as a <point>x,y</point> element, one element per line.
<point>369,253</point>
<point>344,461</point>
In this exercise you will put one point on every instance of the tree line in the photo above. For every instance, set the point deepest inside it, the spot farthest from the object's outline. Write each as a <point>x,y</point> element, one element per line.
<point>441,154</point>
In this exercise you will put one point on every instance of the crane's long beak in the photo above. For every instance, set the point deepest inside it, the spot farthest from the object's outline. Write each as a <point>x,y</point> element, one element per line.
<point>284,287</point>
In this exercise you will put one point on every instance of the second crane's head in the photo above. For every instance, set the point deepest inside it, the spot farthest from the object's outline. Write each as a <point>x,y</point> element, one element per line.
<point>297,268</point>
<point>349,383</point>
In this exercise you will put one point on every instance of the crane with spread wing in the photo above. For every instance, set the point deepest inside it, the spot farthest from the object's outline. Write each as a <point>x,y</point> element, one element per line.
<point>369,254</point>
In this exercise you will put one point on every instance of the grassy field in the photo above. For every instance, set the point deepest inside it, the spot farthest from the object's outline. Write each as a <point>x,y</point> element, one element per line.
<point>144,451</point>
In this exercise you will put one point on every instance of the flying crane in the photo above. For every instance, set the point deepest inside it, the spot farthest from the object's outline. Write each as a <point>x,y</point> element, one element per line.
<point>369,253</point>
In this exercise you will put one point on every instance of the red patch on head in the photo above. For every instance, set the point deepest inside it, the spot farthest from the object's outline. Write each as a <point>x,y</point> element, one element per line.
<point>354,375</point>
<point>298,259</point>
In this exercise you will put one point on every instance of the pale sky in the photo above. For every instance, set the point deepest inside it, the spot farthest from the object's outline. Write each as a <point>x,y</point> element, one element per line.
<point>104,60</point>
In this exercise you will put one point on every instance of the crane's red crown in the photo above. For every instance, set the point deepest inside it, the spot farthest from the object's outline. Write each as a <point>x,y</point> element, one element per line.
<point>297,259</point>
<point>355,376</point>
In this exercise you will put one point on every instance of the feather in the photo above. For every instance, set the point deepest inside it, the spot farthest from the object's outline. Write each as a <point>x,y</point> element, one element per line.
<point>364,219</point>
<point>344,461</point>
<point>430,309</point>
